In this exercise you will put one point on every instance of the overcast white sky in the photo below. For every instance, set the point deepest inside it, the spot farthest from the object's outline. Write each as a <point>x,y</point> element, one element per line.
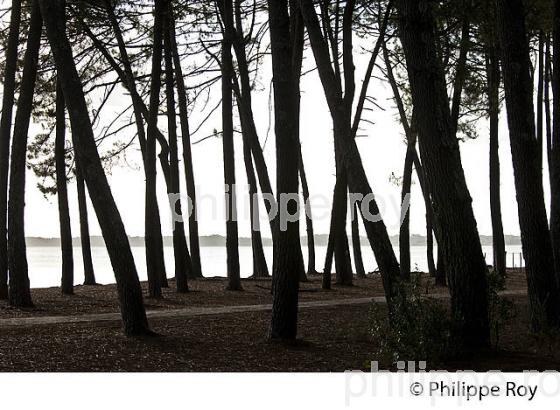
<point>382,153</point>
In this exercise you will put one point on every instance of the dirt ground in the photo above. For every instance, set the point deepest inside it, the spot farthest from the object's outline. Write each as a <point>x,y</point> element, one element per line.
<point>333,338</point>
<point>205,293</point>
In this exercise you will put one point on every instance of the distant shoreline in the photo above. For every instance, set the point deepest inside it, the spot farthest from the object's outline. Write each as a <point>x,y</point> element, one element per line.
<point>220,241</point>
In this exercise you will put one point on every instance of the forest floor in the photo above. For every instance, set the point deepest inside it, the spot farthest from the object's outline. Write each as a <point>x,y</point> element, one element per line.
<point>334,332</point>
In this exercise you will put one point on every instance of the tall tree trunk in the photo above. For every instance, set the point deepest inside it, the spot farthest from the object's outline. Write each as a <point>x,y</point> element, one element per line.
<point>348,154</point>
<point>128,285</point>
<point>311,270</point>
<point>153,239</point>
<point>9,83</point>
<point>194,239</point>
<point>358,261</point>
<point>19,292</point>
<point>547,110</point>
<point>555,144</point>
<point>498,242</point>
<point>140,110</point>
<point>67,281</point>
<point>342,261</point>
<point>537,248</point>
<point>232,235</point>
<point>183,264</point>
<point>260,268</point>
<point>460,242</point>
<point>404,233</point>
<point>329,255</point>
<point>540,93</point>
<point>287,248</point>
<point>89,274</point>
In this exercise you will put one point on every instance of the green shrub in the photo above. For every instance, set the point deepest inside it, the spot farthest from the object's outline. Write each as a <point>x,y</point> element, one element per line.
<point>501,310</point>
<point>419,329</point>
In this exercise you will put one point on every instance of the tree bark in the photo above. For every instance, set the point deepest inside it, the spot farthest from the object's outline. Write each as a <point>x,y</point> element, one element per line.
<point>194,239</point>
<point>140,111</point>
<point>112,228</point>
<point>232,235</point>
<point>287,248</point>
<point>358,261</point>
<point>342,261</point>
<point>311,270</point>
<point>537,248</point>
<point>19,289</point>
<point>9,83</point>
<point>183,264</point>
<point>404,233</point>
<point>345,145</point>
<point>439,148</point>
<point>153,239</point>
<point>498,242</point>
<point>67,281</point>
<point>89,274</point>
<point>260,268</point>
<point>555,144</point>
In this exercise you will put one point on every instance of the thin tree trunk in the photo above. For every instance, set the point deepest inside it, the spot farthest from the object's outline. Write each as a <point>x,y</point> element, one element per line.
<point>19,289</point>
<point>493,75</point>
<point>459,239</point>
<point>232,235</point>
<point>348,154</point>
<point>183,264</point>
<point>404,234</point>
<point>89,274</point>
<point>128,286</point>
<point>555,145</point>
<point>260,268</point>
<point>311,270</point>
<point>540,94</point>
<point>329,255</point>
<point>140,110</point>
<point>358,261</point>
<point>544,298</point>
<point>547,113</point>
<point>67,281</point>
<point>194,239</point>
<point>342,261</point>
<point>9,83</point>
<point>154,241</point>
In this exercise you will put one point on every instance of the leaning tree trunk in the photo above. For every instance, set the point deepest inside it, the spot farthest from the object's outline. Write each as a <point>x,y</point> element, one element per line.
<point>493,75</point>
<point>232,235</point>
<point>9,83</point>
<point>183,264</point>
<point>358,261</point>
<point>345,144</point>
<point>439,148</point>
<point>89,274</point>
<point>260,268</point>
<point>404,233</point>
<point>67,281</point>
<point>128,285</point>
<point>19,292</point>
<point>139,109</point>
<point>194,239</point>
<point>311,270</point>
<point>544,298</point>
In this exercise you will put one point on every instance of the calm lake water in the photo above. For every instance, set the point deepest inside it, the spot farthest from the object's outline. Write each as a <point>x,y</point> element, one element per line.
<point>44,262</point>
